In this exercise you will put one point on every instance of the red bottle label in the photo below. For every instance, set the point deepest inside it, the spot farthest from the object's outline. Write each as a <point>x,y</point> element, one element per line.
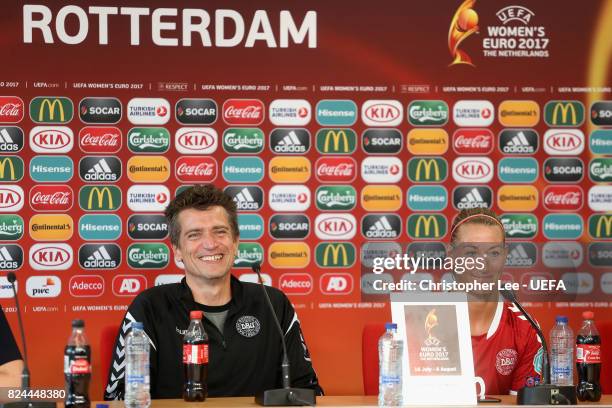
<point>195,353</point>
<point>80,366</point>
<point>588,353</point>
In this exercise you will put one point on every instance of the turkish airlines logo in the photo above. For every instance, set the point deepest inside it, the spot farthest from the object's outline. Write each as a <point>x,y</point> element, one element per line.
<point>382,113</point>
<point>51,198</point>
<point>44,257</point>
<point>565,142</point>
<point>98,139</point>
<point>11,109</point>
<point>148,111</point>
<point>296,283</point>
<point>196,169</point>
<point>129,285</point>
<point>191,140</point>
<point>289,198</point>
<point>336,283</point>
<point>43,286</point>
<point>335,226</point>
<point>243,112</point>
<point>473,113</point>
<point>473,169</point>
<point>381,170</point>
<point>11,198</point>
<point>566,198</point>
<point>473,141</point>
<point>148,198</point>
<point>86,286</point>
<point>51,139</point>
<point>290,112</point>
<point>336,169</point>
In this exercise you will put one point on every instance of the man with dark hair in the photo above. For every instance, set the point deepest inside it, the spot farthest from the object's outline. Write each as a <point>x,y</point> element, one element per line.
<point>507,351</point>
<point>245,347</point>
<point>11,363</point>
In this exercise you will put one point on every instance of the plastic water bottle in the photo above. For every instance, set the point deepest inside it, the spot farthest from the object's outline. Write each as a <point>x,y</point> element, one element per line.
<point>562,353</point>
<point>390,348</point>
<point>137,380</point>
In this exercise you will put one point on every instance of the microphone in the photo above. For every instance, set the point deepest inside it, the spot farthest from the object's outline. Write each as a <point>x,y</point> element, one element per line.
<point>545,393</point>
<point>286,395</point>
<point>25,373</point>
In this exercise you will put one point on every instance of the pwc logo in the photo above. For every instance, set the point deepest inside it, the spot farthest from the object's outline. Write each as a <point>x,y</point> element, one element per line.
<point>296,283</point>
<point>53,197</point>
<point>519,113</point>
<point>336,169</point>
<point>148,198</point>
<point>563,198</point>
<point>51,109</point>
<point>11,198</point>
<point>563,142</point>
<point>43,286</point>
<point>382,113</point>
<point>100,110</point>
<point>289,255</point>
<point>148,111</point>
<point>51,139</point>
<point>11,109</point>
<point>103,169</point>
<point>128,285</point>
<point>99,256</point>
<point>473,170</point>
<point>290,112</point>
<point>473,141</point>
<point>45,257</point>
<point>335,227</point>
<point>191,140</point>
<point>428,142</point>
<point>98,139</point>
<point>336,283</point>
<point>11,139</point>
<point>196,111</point>
<point>148,169</point>
<point>285,169</point>
<point>196,169</point>
<point>243,112</point>
<point>86,286</point>
<point>469,113</point>
<point>290,197</point>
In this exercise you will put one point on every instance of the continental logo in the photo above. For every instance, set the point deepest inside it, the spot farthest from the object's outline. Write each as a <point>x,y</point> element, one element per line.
<point>148,169</point>
<point>517,198</point>
<point>51,227</point>
<point>336,141</point>
<point>289,169</point>
<point>564,113</point>
<point>600,226</point>
<point>426,226</point>
<point>427,169</point>
<point>100,198</point>
<point>11,227</point>
<point>519,113</point>
<point>51,109</point>
<point>335,255</point>
<point>381,198</point>
<point>430,142</point>
<point>289,255</point>
<point>11,168</point>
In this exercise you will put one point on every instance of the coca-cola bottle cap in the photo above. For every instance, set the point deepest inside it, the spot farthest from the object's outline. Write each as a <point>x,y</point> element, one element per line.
<point>196,314</point>
<point>588,315</point>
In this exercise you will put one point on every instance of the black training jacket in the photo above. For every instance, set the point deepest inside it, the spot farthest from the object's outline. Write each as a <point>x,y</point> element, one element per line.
<point>243,361</point>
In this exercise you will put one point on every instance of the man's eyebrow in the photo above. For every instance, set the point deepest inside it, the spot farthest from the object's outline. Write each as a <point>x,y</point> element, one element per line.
<point>187,231</point>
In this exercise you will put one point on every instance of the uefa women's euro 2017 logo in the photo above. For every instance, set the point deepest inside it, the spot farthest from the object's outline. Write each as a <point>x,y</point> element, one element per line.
<point>431,321</point>
<point>463,25</point>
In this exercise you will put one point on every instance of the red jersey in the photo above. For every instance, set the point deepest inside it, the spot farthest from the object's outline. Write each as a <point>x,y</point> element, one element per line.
<point>509,356</point>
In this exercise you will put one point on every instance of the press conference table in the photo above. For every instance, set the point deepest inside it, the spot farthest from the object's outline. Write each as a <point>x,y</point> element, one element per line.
<point>329,401</point>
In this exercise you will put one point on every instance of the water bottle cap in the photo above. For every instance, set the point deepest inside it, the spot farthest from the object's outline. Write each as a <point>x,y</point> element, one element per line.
<point>562,319</point>
<point>78,323</point>
<point>101,405</point>
<point>137,325</point>
<point>390,326</point>
<point>196,314</point>
<point>588,315</point>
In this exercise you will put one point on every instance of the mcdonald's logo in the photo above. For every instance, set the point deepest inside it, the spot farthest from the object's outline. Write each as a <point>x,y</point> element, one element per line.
<point>51,109</point>
<point>340,255</point>
<point>426,226</point>
<point>336,141</point>
<point>11,168</point>
<point>564,113</point>
<point>427,170</point>
<point>600,226</point>
<point>100,198</point>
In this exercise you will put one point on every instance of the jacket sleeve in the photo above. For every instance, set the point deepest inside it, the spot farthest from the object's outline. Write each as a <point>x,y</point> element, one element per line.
<point>137,312</point>
<point>302,372</point>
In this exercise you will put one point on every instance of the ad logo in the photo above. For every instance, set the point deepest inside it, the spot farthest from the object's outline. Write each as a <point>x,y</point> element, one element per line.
<point>11,168</point>
<point>600,198</point>
<point>289,226</point>
<point>148,169</point>
<point>11,227</point>
<point>99,256</point>
<point>381,169</point>
<point>336,283</point>
<point>336,112</point>
<point>336,141</point>
<point>290,112</point>
<point>11,139</point>
<point>563,142</point>
<point>426,226</point>
<point>600,170</point>
<point>428,113</point>
<point>11,198</point>
<point>562,226</point>
<point>427,169</point>
<point>381,226</point>
<point>50,139</point>
<point>100,168</point>
<point>600,226</point>
<point>53,197</point>
<point>296,283</point>
<point>243,140</point>
<point>520,225</point>
<point>148,256</point>
<point>517,170</point>
<point>86,286</point>
<point>11,109</point>
<point>247,198</point>
<point>97,139</point>
<point>290,141</point>
<point>196,140</point>
<point>196,111</point>
<point>44,257</point>
<point>381,198</point>
<point>427,142</point>
<point>336,198</point>
<point>382,113</point>
<point>601,113</point>
<point>51,109</point>
<point>148,111</point>
<point>248,255</point>
<point>564,113</point>
<point>100,110</point>
<point>147,227</point>
<point>148,140</point>
<point>563,198</point>
<point>336,169</point>
<point>563,170</point>
<point>43,286</point>
<point>289,169</point>
<point>251,226</point>
<point>129,285</point>
<point>519,113</point>
<point>473,141</point>
<point>335,255</point>
<point>48,227</point>
<point>289,255</point>
<point>517,198</point>
<point>196,169</point>
<point>465,197</point>
<point>11,257</point>
<point>473,169</point>
<point>518,141</point>
<point>243,169</point>
<point>382,141</point>
<point>243,112</point>
<point>293,198</point>
<point>468,113</point>
<point>427,198</point>
<point>104,227</point>
<point>100,198</point>
<point>335,226</point>
<point>148,198</point>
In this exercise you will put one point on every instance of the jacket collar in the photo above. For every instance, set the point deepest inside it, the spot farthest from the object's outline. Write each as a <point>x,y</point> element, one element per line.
<point>236,303</point>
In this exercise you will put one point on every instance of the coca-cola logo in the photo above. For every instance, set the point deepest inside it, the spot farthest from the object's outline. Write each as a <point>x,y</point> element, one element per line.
<point>473,141</point>
<point>196,169</point>
<point>97,139</point>
<point>567,198</point>
<point>51,198</point>
<point>11,109</point>
<point>243,112</point>
<point>336,169</point>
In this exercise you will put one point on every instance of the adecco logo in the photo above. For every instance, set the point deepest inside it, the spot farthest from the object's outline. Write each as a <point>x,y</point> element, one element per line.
<point>562,226</point>
<point>196,169</point>
<point>289,255</point>
<point>289,226</point>
<point>191,140</point>
<point>43,286</point>
<point>428,142</point>
<point>518,141</point>
<point>382,113</point>
<point>517,198</point>
<point>251,226</point>
<point>51,139</point>
<point>600,198</point>
<point>148,198</point>
<point>50,227</point>
<point>382,141</point>
<point>520,225</point>
<point>103,227</point>
<point>600,141</point>
<point>51,169</point>
<point>44,257</point>
<point>296,283</point>
<point>335,226</point>
<point>336,169</point>
<point>563,142</point>
<point>243,112</point>
<point>148,111</point>
<point>563,170</point>
<point>97,139</point>
<point>381,169</point>
<point>11,139</point>
<point>128,285</point>
<point>579,283</point>
<point>562,255</point>
<point>100,198</point>
<point>289,169</point>
<point>519,113</point>
<point>51,109</point>
<point>427,198</point>
<point>473,113</point>
<point>473,170</point>
<point>336,112</point>
<point>243,140</point>
<point>563,198</point>
<point>381,198</point>
<point>517,170</point>
<point>52,197</point>
<point>11,109</point>
<point>473,141</point>
<point>336,283</point>
<point>11,198</point>
<point>147,226</point>
<point>290,112</point>
<point>294,198</point>
<point>86,286</point>
<point>11,227</point>
<point>100,110</point>
<point>336,141</point>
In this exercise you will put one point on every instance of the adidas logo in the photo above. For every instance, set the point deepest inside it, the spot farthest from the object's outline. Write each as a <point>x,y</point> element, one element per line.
<point>519,257</point>
<point>7,261</point>
<point>518,144</point>
<point>473,199</point>
<point>8,143</point>
<point>382,228</point>
<point>290,143</point>
<point>5,137</point>
<point>101,171</point>
<point>244,200</point>
<point>5,255</point>
<point>100,258</point>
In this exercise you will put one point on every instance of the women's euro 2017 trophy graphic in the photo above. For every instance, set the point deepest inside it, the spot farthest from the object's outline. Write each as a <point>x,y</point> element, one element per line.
<point>431,321</point>
<point>463,25</point>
